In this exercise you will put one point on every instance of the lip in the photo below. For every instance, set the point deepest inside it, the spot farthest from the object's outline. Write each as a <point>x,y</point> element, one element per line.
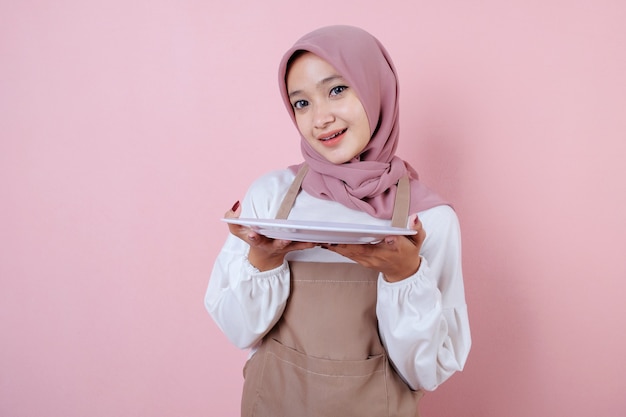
<point>334,135</point>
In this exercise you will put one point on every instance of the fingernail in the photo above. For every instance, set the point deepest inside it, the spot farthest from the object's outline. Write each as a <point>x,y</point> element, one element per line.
<point>235,206</point>
<point>416,219</point>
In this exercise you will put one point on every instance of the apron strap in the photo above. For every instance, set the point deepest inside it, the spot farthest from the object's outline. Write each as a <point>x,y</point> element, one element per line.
<point>292,193</point>
<point>401,206</point>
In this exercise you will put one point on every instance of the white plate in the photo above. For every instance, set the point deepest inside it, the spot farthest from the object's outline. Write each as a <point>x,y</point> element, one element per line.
<point>320,232</point>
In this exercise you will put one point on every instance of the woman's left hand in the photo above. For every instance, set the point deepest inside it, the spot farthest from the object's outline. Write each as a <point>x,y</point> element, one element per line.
<point>397,257</point>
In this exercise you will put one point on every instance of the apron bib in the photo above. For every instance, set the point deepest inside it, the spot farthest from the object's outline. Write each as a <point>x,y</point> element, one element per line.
<point>324,357</point>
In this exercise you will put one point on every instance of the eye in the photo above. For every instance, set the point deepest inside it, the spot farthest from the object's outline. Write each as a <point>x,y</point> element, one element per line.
<point>335,91</point>
<point>300,104</point>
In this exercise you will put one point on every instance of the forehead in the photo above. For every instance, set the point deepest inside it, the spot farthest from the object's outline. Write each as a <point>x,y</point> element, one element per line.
<point>308,70</point>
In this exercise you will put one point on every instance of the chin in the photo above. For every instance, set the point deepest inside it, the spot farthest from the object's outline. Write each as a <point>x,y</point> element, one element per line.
<point>338,161</point>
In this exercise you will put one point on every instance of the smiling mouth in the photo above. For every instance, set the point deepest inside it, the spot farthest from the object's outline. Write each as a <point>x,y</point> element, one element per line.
<point>334,135</point>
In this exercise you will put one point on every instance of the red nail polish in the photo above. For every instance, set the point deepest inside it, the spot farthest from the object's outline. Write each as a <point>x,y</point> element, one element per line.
<point>416,220</point>
<point>235,206</point>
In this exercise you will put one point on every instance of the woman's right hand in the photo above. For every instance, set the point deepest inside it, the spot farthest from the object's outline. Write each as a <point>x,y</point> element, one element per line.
<point>265,253</point>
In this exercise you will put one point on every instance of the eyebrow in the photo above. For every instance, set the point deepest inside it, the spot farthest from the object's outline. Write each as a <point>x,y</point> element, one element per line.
<point>322,82</point>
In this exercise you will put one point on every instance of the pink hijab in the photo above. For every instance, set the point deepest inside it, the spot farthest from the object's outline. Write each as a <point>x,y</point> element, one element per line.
<point>368,182</point>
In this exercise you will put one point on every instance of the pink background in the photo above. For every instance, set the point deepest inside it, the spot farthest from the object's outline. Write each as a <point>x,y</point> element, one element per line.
<point>127,128</point>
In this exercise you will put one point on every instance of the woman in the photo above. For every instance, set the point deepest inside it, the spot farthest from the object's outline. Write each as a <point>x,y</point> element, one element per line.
<point>343,329</point>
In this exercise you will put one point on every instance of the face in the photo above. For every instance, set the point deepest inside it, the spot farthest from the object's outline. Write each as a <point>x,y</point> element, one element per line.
<point>328,113</point>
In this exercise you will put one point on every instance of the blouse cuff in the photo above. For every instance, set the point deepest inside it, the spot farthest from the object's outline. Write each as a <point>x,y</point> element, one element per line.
<point>419,275</point>
<point>254,271</point>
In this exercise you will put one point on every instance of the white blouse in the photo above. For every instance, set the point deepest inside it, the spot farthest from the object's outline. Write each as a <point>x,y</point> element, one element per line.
<point>422,320</point>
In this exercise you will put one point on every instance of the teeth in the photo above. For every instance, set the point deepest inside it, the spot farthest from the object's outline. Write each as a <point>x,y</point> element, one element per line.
<point>333,136</point>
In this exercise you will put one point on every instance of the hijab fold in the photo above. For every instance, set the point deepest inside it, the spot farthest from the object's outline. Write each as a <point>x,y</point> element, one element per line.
<point>367,182</point>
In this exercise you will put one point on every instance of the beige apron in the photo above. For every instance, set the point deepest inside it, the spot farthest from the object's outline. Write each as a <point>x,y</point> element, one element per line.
<point>324,357</point>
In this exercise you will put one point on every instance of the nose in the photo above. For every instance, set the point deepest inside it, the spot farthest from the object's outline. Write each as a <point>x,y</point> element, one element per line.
<point>323,115</point>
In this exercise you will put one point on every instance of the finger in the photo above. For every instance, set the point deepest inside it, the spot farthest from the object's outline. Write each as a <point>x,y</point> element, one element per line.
<point>416,224</point>
<point>334,247</point>
<point>253,238</point>
<point>355,252</point>
<point>281,243</point>
<point>235,211</point>
<point>303,245</point>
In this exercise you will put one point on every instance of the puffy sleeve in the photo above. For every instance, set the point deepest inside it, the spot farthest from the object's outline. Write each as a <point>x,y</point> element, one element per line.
<point>244,302</point>
<point>423,319</point>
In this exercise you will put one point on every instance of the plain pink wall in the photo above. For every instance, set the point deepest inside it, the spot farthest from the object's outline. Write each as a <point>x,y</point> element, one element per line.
<point>127,128</point>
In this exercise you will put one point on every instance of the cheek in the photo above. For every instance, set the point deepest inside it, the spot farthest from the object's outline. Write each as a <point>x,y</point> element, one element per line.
<point>359,117</point>
<point>300,123</point>
<point>364,125</point>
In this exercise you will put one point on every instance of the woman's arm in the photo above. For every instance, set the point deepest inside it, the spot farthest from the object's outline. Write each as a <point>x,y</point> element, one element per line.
<point>423,319</point>
<point>244,302</point>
